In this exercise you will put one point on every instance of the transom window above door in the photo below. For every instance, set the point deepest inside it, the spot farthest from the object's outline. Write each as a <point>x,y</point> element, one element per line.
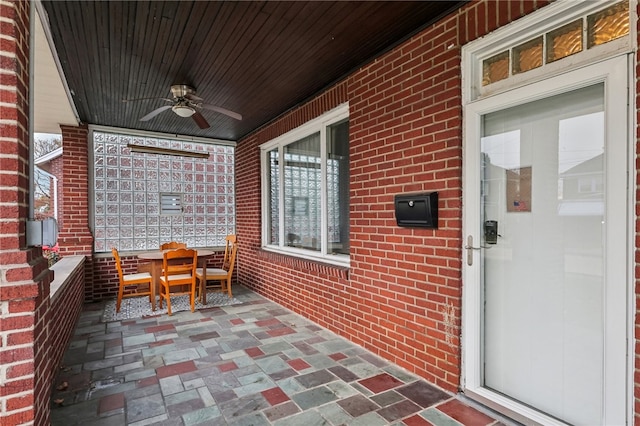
<point>568,34</point>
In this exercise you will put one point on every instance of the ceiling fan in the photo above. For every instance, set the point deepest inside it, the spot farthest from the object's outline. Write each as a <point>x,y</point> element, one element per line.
<point>185,103</point>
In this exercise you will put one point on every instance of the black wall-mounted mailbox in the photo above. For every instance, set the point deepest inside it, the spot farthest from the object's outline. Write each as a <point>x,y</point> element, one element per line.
<point>417,210</point>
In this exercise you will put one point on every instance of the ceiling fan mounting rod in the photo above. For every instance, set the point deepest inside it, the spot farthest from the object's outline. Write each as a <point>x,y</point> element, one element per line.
<point>182,90</point>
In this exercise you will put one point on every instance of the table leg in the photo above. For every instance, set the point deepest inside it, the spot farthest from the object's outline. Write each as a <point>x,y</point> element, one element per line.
<point>203,282</point>
<point>156,270</point>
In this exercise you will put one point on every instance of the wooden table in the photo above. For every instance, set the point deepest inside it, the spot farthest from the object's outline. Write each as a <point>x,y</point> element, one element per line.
<point>156,257</point>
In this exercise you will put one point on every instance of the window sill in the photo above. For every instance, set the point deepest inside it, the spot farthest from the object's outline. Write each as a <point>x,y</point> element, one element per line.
<point>311,263</point>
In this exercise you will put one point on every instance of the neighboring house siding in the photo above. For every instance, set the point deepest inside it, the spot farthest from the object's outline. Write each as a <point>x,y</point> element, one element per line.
<point>401,296</point>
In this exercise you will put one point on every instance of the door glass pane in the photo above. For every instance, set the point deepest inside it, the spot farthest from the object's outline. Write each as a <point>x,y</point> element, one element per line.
<point>543,188</point>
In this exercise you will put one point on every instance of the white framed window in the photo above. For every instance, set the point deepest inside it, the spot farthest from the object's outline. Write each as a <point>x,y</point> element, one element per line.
<point>305,189</point>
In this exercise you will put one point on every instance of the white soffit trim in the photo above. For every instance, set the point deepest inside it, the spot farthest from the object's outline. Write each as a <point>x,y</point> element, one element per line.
<point>53,105</point>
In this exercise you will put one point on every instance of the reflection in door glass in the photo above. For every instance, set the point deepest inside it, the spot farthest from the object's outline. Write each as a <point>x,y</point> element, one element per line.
<point>580,158</point>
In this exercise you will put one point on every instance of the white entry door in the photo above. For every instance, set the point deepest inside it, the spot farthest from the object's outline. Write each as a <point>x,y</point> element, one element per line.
<point>545,276</point>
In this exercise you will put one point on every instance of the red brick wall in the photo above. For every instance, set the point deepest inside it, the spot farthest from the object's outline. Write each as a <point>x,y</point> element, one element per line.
<point>75,237</point>
<point>24,277</point>
<point>65,309</point>
<point>401,297</point>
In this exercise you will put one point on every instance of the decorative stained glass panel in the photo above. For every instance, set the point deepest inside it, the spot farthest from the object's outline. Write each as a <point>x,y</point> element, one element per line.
<point>564,41</point>
<point>527,56</point>
<point>608,24</point>
<point>495,68</point>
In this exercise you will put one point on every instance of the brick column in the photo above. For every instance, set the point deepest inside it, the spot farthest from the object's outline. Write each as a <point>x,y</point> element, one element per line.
<point>74,237</point>
<point>25,375</point>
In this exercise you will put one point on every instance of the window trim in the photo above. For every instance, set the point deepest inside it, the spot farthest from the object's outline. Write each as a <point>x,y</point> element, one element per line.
<point>316,125</point>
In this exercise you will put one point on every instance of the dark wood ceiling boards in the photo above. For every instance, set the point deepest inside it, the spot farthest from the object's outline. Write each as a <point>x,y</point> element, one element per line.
<point>256,58</point>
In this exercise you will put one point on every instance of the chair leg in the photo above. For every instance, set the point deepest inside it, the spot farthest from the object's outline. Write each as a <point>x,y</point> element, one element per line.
<point>168,298</point>
<point>192,298</point>
<point>229,287</point>
<point>152,296</point>
<point>202,286</point>
<point>161,296</point>
<point>119,301</point>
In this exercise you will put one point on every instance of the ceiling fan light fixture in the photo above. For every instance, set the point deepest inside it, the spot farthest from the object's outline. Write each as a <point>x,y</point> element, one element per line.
<point>183,110</point>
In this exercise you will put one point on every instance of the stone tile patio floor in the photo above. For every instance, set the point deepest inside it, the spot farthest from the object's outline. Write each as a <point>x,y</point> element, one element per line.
<point>250,364</point>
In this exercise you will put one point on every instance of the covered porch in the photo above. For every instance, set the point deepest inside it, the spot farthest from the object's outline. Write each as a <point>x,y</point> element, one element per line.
<point>253,363</point>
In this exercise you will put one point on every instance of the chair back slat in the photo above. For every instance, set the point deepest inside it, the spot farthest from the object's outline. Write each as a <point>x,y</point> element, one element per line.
<point>222,275</point>
<point>133,282</point>
<point>180,261</point>
<point>232,259</point>
<point>179,269</point>
<point>172,245</point>
<point>116,256</point>
<point>230,241</point>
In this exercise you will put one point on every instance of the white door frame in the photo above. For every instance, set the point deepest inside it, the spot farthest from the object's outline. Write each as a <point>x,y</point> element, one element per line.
<point>615,73</point>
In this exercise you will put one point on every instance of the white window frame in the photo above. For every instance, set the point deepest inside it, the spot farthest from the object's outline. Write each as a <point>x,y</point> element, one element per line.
<point>317,125</point>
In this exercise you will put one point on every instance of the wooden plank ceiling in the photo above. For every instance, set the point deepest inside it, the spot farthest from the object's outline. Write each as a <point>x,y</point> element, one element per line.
<point>257,58</point>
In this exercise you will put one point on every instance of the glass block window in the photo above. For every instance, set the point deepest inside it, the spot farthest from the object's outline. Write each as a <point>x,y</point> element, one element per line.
<point>306,189</point>
<point>580,26</point>
<point>135,194</point>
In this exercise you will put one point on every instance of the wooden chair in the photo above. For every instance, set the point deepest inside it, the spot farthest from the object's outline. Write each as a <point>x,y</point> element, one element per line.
<point>172,245</point>
<point>133,282</point>
<point>178,272</point>
<point>222,276</point>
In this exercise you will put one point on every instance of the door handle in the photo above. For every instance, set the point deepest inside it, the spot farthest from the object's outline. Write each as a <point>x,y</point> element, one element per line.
<point>470,248</point>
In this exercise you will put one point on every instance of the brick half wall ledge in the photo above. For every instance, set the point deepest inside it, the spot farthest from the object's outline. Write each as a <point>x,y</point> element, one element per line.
<point>64,271</point>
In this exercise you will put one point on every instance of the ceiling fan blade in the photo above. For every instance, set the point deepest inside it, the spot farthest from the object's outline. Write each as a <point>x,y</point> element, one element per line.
<point>221,111</point>
<point>155,112</point>
<point>193,97</point>
<point>200,120</point>
<point>146,99</point>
